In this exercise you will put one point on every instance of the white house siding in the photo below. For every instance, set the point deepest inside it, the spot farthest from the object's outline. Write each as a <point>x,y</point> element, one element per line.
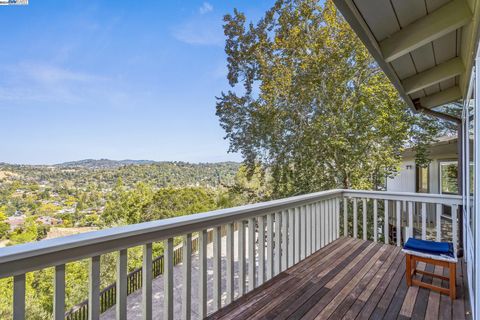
<point>404,181</point>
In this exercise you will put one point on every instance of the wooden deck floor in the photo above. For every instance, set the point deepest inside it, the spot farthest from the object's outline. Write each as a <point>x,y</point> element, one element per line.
<point>350,279</point>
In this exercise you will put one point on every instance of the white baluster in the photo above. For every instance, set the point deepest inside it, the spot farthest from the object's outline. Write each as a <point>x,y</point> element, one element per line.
<point>187,277</point>
<point>375,220</point>
<point>454,209</point>
<point>364,216</point>
<point>318,225</point>
<point>291,237</point>
<point>399,223</point>
<point>308,226</point>
<point>345,217</point>
<point>313,227</point>
<point>121,295</point>
<point>261,250</point>
<point>168,279</point>
<point>284,253</point>
<point>241,258</point>
<point>439,221</point>
<point>94,289</point>
<point>230,263</point>
<point>337,217</point>
<point>217,268</point>
<point>324,220</point>
<point>147,278</point>
<point>386,225</point>
<point>355,219</point>
<point>251,254</point>
<point>202,285</point>
<point>297,234</point>
<point>269,246</point>
<point>303,235</point>
<point>424,221</point>
<point>410,219</point>
<point>278,240</point>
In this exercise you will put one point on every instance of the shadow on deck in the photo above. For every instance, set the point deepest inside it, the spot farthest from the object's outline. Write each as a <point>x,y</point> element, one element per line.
<point>350,279</point>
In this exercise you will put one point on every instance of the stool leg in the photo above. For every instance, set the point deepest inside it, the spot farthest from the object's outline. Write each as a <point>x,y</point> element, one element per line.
<point>408,271</point>
<point>453,275</point>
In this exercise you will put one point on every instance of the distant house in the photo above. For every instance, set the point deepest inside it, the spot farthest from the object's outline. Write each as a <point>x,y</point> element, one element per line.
<point>49,221</point>
<point>16,221</point>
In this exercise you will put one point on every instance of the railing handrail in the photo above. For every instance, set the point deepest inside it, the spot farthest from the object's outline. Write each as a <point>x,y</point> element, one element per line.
<point>28,257</point>
<point>405,196</point>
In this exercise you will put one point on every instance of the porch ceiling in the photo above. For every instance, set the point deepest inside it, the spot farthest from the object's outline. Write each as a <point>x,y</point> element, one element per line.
<point>425,47</point>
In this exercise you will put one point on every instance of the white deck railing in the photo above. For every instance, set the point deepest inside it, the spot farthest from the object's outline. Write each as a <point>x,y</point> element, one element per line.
<point>277,233</point>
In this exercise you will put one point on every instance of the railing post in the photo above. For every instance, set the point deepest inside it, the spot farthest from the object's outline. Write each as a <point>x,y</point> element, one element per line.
<point>59,293</point>
<point>19,297</point>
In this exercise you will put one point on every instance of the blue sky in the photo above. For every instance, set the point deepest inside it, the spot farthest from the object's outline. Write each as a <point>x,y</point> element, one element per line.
<point>114,79</point>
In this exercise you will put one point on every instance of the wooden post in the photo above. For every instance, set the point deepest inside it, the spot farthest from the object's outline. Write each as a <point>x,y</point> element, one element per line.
<point>408,268</point>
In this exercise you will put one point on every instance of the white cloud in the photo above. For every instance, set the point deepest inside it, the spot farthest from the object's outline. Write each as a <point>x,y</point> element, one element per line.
<point>41,82</point>
<point>205,8</point>
<point>200,31</point>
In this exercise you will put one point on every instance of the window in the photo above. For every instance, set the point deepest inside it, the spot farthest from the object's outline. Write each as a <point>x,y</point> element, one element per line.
<point>449,177</point>
<point>422,179</point>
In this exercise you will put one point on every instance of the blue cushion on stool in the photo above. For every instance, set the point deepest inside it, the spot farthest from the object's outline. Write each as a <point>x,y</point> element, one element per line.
<point>430,247</point>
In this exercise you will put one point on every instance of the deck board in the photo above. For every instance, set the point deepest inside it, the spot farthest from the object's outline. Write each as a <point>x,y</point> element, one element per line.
<point>350,279</point>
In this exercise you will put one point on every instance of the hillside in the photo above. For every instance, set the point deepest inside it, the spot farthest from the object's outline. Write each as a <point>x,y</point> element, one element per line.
<point>102,163</point>
<point>105,173</point>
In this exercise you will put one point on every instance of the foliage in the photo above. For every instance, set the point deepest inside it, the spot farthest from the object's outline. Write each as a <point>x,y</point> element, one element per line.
<point>249,187</point>
<point>309,104</point>
<point>144,204</point>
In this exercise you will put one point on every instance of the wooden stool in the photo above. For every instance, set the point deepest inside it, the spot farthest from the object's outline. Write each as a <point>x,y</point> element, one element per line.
<point>411,270</point>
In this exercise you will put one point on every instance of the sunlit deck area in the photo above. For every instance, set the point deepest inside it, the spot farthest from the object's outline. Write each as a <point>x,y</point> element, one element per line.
<point>350,279</point>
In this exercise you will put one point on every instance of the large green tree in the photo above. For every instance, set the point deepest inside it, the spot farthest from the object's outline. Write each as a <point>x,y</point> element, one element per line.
<point>309,104</point>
